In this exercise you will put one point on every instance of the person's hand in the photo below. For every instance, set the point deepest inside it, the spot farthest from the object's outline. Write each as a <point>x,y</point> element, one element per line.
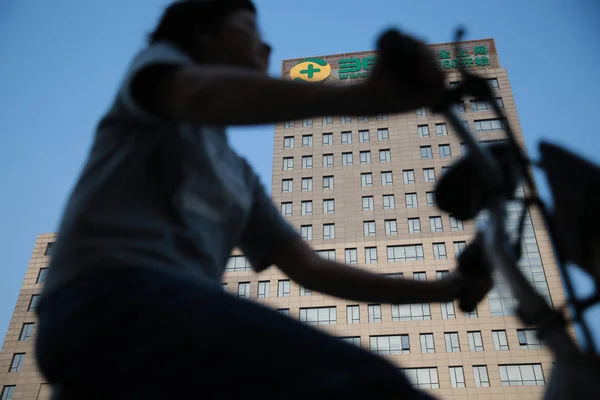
<point>406,73</point>
<point>468,290</point>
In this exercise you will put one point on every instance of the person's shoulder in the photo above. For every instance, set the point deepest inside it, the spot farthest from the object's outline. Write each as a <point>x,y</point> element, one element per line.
<point>161,51</point>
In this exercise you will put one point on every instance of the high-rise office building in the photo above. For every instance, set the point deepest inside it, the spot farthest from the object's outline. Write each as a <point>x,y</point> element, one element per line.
<point>359,188</point>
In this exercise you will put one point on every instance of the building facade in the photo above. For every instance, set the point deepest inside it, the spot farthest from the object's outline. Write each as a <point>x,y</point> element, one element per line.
<point>360,190</point>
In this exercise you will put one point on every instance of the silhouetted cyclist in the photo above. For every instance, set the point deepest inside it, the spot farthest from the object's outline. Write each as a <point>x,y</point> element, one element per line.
<point>133,307</point>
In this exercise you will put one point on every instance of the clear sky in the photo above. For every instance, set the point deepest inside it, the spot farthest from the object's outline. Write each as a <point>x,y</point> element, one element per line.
<point>61,62</point>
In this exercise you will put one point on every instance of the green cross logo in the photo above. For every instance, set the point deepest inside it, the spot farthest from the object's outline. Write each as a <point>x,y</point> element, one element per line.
<point>311,70</point>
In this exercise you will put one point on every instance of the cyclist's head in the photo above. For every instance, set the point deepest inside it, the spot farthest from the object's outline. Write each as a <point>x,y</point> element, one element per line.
<point>214,31</point>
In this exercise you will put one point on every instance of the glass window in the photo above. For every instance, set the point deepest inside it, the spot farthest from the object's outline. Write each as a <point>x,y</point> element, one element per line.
<point>414,225</point>
<point>346,137</point>
<point>306,122</point>
<point>457,377</point>
<point>493,82</point>
<point>429,174</point>
<point>327,120</point>
<point>41,278</point>
<point>411,312</point>
<point>456,224</point>
<point>351,256</point>
<point>453,84</point>
<point>364,136</point>
<point>452,343</point>
<point>426,152</point>
<point>389,202</point>
<point>329,206</point>
<point>289,124</point>
<point>472,314</point>
<point>411,200</point>
<point>459,247</point>
<point>500,340</point>
<point>489,125</point>
<point>287,186</point>
<point>439,251</point>
<point>430,199</point>
<point>365,157</point>
<point>528,339</point>
<point>328,182</point>
<point>463,149</point>
<point>423,130</point>
<point>224,286</point>
<point>328,231</point>
<point>305,291</point>
<point>393,344</point>
<point>363,118</point>
<point>385,156</point>
<point>368,203</point>
<point>370,255</point>
<point>521,375</point>
<point>283,288</point>
<point>353,340</point>
<point>49,248</point>
<point>307,207</point>
<point>17,362</point>
<point>307,161</point>
<point>475,341</point>
<point>288,142</point>
<point>435,224</point>
<point>327,254</point>
<point>288,163</point>
<point>448,310</point>
<point>327,160</point>
<point>409,176</point>
<point>284,311</point>
<point>345,119</point>
<point>401,253</point>
<point>445,151</point>
<point>33,302</point>
<point>421,112</point>
<point>391,227</point>
<point>346,158</point>
<point>307,140</point>
<point>306,232</point>
<point>318,315</point>
<point>441,130</point>
<point>459,107</point>
<point>381,117</point>
<point>420,276</point>
<point>427,343</point>
<point>243,290</point>
<point>422,378</point>
<point>481,376</point>
<point>383,134</point>
<point>366,179</point>
<point>307,184</point>
<point>327,139</point>
<point>238,263</point>
<point>286,209</point>
<point>263,289</point>
<point>386,178</point>
<point>369,228</point>
<point>8,391</point>
<point>374,313</point>
<point>353,314</point>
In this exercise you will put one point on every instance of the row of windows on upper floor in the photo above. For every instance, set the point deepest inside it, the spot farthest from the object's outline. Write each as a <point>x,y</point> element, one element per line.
<point>383,134</point>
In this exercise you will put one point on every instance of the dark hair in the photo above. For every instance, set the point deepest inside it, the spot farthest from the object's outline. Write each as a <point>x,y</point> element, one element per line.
<point>183,20</point>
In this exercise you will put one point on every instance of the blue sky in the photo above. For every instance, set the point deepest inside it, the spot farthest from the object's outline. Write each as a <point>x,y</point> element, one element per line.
<point>61,62</point>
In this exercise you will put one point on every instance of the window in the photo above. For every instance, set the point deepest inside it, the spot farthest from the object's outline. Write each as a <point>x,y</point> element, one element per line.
<point>463,149</point>
<point>41,278</point>
<point>305,292</point>
<point>351,256</point>
<point>459,107</point>
<point>287,185</point>
<point>448,310</point>
<point>263,289</point>
<point>307,122</point>
<point>318,316</point>
<point>422,378</point>
<point>402,253</point>
<point>453,84</point>
<point>49,249</point>
<point>426,152</point>
<point>420,276</point>
<point>327,139</point>
<point>307,162</point>
<point>484,105</point>
<point>284,311</point>
<point>385,156</point>
<point>224,286</point>
<point>327,160</point>
<point>383,134</point>
<point>381,117</point>
<point>421,112</point>
<point>353,314</point>
<point>307,207</point>
<point>386,178</point>
<point>389,202</point>
<point>466,124</point>
<point>429,174</point>
<point>435,224</point>
<point>306,232</point>
<point>493,82</point>
<point>346,137</point>
<point>528,339</point>
<point>500,340</point>
<point>327,120</point>
<point>370,255</point>
<point>368,203</point>
<point>481,376</point>
<point>328,231</point>
<point>327,254</point>
<point>395,275</point>
<point>374,313</point>
<point>521,375</point>
<point>365,157</point>
<point>475,341</point>
<point>393,344</point>
<point>423,130</point>
<point>283,288</point>
<point>441,130</point>
<point>328,182</point>
<point>33,302</point>
<point>411,312</point>
<point>369,228</point>
<point>430,199</point>
<point>307,140</point>
<point>459,247</point>
<point>452,343</point>
<point>427,343</point>
<point>414,225</point>
<point>243,290</point>
<point>8,392</point>
<point>346,158</point>
<point>286,209</point>
<point>353,340</point>
<point>364,136</point>
<point>457,377</point>
<point>409,176</point>
<point>444,170</point>
<point>328,206</point>
<point>17,362</point>
<point>288,142</point>
<point>345,119</point>
<point>238,263</point>
<point>489,125</point>
<point>439,251</point>
<point>288,163</point>
<point>366,179</point>
<point>445,151</point>
<point>472,314</point>
<point>307,184</point>
<point>289,124</point>
<point>363,118</point>
<point>456,224</point>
